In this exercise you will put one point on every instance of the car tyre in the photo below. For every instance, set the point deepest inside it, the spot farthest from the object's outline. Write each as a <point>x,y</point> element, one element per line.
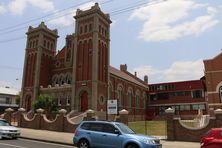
<point>83,144</point>
<point>132,146</point>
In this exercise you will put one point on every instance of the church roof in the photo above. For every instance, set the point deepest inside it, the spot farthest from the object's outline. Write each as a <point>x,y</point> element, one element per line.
<point>61,53</point>
<point>127,77</point>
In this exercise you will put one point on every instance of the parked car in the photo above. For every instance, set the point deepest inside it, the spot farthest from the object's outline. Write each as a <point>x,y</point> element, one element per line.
<point>212,139</point>
<point>105,134</point>
<point>8,131</point>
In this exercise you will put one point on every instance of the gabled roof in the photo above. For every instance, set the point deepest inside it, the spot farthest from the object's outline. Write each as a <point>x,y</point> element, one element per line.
<point>8,91</point>
<point>126,76</point>
<point>217,56</point>
<point>61,53</point>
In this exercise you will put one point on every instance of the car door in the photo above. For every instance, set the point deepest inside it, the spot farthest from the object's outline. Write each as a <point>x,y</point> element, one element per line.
<point>110,139</point>
<point>95,134</point>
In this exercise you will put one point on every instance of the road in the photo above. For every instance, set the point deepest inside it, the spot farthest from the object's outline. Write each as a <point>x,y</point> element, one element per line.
<point>24,143</point>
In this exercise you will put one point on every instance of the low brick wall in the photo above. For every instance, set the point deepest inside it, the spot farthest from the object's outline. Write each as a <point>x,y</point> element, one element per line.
<point>61,123</point>
<point>178,132</point>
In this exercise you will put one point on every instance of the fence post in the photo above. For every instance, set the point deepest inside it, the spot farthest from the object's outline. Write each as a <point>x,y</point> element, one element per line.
<point>170,124</point>
<point>218,115</point>
<point>20,116</point>
<point>90,115</point>
<point>123,114</point>
<point>61,119</point>
<point>8,114</point>
<point>39,118</point>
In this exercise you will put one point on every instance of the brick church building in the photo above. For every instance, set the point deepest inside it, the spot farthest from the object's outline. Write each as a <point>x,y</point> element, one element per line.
<point>79,76</point>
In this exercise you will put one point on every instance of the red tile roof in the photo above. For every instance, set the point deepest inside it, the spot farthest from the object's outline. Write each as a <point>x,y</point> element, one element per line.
<point>61,53</point>
<point>126,76</point>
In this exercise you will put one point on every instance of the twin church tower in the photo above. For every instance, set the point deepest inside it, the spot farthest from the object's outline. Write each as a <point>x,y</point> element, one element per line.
<point>79,76</point>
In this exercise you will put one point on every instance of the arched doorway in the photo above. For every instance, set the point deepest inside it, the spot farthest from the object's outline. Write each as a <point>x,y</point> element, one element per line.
<point>84,101</point>
<point>28,103</point>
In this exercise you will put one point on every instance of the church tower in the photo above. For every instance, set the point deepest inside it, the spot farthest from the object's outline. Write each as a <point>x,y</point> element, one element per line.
<point>39,53</point>
<point>91,59</point>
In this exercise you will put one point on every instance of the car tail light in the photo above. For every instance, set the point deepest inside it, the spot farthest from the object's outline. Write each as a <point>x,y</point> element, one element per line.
<point>76,132</point>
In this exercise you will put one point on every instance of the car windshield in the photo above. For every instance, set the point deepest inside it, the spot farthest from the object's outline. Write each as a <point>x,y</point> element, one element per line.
<point>125,129</point>
<point>4,123</point>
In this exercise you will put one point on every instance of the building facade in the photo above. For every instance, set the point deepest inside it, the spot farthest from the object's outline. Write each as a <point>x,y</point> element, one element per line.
<point>8,98</point>
<point>79,76</point>
<point>213,75</point>
<point>185,97</point>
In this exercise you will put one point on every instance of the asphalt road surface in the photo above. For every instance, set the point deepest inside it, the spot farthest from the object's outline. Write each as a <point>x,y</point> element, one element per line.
<point>24,143</point>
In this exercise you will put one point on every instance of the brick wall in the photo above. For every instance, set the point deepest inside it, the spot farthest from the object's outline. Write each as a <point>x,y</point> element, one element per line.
<point>177,132</point>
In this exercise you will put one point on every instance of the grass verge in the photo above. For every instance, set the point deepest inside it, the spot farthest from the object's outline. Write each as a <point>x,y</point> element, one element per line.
<point>156,128</point>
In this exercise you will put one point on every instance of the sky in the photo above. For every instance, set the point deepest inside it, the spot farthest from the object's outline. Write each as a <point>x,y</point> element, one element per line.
<point>164,39</point>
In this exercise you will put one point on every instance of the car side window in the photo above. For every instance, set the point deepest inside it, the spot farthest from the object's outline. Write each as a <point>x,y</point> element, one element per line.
<point>85,126</point>
<point>108,128</point>
<point>96,127</point>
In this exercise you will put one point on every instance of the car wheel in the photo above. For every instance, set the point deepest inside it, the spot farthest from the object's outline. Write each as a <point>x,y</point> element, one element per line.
<point>83,143</point>
<point>132,146</point>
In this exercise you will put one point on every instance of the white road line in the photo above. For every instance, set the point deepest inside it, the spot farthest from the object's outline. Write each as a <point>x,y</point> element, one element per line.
<point>12,145</point>
<point>46,143</point>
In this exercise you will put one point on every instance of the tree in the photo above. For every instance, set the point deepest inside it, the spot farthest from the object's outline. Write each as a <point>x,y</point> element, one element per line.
<point>45,102</point>
<point>17,99</point>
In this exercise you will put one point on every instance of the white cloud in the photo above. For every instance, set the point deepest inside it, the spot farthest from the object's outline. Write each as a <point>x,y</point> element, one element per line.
<point>17,7</point>
<point>173,19</point>
<point>67,20</point>
<point>178,71</point>
<point>2,9</point>
<point>45,5</point>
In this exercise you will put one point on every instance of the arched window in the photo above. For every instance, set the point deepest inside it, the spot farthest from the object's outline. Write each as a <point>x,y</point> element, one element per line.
<point>59,101</point>
<point>86,29</point>
<point>90,27</point>
<point>102,100</point>
<point>68,100</point>
<point>137,99</point>
<point>130,98</point>
<point>120,96</point>
<point>48,45</point>
<point>55,80</point>
<point>110,90</point>
<point>144,100</point>
<point>220,93</point>
<point>80,30</point>
<point>51,46</point>
<point>44,44</point>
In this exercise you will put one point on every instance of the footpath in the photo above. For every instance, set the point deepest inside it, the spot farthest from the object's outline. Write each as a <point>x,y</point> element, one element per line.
<point>47,136</point>
<point>66,138</point>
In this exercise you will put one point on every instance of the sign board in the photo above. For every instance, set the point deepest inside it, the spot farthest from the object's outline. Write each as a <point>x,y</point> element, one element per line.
<point>111,107</point>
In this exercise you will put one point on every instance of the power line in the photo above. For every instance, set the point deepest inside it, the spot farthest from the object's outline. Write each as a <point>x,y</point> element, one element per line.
<point>42,17</point>
<point>13,39</point>
<point>113,13</point>
<point>130,8</point>
<point>52,14</point>
<point>10,67</point>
